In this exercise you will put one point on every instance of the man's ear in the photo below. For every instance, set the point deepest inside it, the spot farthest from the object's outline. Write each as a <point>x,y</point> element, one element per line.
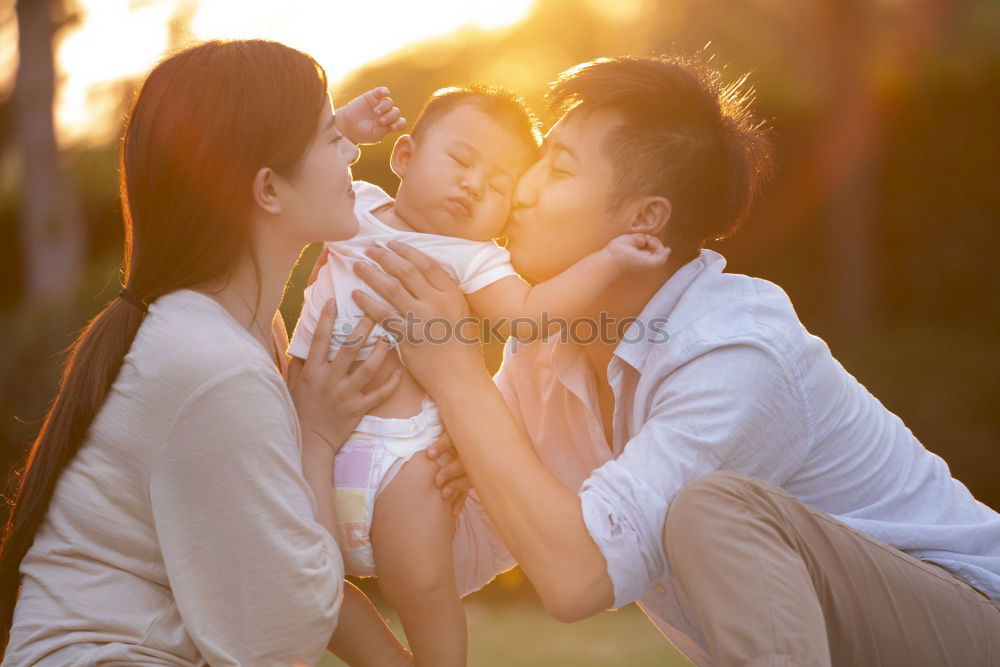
<point>402,151</point>
<point>650,215</point>
<point>265,191</point>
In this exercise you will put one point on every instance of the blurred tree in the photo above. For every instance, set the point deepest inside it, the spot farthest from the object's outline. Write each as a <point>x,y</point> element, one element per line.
<point>51,225</point>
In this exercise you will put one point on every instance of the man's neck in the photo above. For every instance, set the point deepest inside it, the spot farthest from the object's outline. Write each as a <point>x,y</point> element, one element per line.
<point>625,299</point>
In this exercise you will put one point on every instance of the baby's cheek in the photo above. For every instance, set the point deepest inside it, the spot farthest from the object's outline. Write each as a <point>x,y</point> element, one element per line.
<point>499,219</point>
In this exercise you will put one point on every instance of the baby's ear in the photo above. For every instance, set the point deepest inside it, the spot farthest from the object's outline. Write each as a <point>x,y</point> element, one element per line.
<point>402,151</point>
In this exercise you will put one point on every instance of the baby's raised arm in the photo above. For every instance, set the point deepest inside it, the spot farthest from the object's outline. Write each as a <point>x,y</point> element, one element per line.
<point>518,309</point>
<point>369,117</point>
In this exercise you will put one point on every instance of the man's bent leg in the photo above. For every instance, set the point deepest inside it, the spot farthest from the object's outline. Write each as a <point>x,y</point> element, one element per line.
<point>774,581</point>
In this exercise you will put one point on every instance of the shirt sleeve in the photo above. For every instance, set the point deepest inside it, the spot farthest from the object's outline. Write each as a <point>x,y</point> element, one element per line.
<point>485,267</point>
<point>734,407</point>
<point>479,552</point>
<point>256,579</point>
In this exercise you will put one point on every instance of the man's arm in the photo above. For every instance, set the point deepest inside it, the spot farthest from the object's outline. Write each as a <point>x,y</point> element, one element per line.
<point>735,406</point>
<point>540,520</point>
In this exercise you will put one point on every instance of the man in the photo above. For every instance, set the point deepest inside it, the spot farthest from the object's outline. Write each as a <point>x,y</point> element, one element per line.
<point>716,463</point>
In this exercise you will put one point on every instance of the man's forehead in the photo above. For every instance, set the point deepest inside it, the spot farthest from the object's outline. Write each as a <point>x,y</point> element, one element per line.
<point>581,129</point>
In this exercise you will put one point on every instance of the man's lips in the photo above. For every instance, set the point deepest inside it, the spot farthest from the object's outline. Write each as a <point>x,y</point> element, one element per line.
<point>461,206</point>
<point>512,224</point>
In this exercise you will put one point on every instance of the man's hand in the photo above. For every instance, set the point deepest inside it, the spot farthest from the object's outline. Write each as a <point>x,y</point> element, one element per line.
<point>637,252</point>
<point>425,300</point>
<point>368,118</point>
<point>452,478</point>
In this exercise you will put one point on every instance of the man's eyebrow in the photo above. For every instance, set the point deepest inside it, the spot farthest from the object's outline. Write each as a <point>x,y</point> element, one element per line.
<point>549,145</point>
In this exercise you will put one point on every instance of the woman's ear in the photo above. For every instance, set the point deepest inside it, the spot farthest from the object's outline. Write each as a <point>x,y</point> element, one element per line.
<point>265,191</point>
<point>650,215</point>
<point>402,151</point>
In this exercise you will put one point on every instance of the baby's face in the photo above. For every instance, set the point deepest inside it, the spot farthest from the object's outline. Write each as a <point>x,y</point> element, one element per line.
<point>460,175</point>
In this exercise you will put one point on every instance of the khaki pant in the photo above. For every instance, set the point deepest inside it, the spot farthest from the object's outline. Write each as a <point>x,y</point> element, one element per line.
<point>772,581</point>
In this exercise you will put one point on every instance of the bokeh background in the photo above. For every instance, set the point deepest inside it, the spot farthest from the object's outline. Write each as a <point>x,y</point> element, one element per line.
<point>881,225</point>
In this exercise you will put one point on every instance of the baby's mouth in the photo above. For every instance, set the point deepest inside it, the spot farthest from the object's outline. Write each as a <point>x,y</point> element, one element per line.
<point>461,206</point>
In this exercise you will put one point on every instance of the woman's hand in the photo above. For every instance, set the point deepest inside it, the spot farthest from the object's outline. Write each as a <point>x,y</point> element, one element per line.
<point>329,397</point>
<point>427,312</point>
<point>451,478</point>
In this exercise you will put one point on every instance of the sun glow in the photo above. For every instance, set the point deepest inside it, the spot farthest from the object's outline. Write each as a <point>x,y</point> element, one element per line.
<point>118,40</point>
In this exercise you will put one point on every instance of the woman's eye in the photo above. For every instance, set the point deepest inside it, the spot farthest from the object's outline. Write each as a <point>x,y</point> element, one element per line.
<point>559,173</point>
<point>461,162</point>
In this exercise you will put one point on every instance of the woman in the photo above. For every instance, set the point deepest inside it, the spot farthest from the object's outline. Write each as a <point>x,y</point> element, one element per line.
<point>176,507</point>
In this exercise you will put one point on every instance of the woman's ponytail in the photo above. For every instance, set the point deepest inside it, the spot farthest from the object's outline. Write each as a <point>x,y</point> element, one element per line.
<point>91,366</point>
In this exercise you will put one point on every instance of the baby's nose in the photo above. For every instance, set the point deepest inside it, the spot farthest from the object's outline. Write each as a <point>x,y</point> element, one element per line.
<point>472,187</point>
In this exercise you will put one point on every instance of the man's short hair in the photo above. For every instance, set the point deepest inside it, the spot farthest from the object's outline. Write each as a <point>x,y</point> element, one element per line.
<point>497,102</point>
<point>683,135</point>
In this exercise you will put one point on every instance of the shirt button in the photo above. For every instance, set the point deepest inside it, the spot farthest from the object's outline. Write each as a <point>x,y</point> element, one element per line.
<point>659,589</point>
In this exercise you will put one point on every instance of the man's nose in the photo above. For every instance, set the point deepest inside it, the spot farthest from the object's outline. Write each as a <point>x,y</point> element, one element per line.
<point>526,190</point>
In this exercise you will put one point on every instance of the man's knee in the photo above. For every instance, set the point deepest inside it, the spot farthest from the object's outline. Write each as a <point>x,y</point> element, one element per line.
<point>694,514</point>
<point>708,494</point>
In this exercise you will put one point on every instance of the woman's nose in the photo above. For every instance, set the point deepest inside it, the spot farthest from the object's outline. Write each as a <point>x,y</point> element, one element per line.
<point>353,153</point>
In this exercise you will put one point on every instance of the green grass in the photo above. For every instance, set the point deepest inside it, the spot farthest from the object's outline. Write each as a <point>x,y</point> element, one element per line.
<point>509,628</point>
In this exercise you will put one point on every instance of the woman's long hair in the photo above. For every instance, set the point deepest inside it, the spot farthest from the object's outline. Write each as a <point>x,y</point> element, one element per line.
<point>203,123</point>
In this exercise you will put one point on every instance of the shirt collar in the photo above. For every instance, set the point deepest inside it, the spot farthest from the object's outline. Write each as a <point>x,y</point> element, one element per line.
<point>641,334</point>
<point>567,360</point>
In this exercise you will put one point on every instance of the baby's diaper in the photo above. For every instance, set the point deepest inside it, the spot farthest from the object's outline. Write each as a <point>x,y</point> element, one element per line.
<point>365,465</point>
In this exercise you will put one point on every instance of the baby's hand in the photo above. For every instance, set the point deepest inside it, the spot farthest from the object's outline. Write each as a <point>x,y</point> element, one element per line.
<point>368,118</point>
<point>637,252</point>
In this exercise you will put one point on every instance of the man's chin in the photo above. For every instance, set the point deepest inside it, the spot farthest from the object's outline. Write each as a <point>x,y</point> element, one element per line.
<point>525,265</point>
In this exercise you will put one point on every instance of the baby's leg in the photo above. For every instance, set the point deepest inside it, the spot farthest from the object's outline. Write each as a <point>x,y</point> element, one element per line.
<point>412,532</point>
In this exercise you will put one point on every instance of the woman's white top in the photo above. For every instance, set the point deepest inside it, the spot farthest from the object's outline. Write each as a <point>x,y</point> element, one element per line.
<point>183,532</point>
<point>473,265</point>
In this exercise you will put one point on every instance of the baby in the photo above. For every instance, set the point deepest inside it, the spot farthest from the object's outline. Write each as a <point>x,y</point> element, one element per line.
<point>457,172</point>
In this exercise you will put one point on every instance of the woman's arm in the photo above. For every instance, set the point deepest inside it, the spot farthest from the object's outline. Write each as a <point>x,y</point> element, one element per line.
<point>539,518</point>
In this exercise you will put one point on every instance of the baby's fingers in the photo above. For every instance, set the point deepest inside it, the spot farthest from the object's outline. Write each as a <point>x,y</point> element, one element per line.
<point>655,245</point>
<point>384,106</point>
<point>389,118</point>
<point>374,96</point>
